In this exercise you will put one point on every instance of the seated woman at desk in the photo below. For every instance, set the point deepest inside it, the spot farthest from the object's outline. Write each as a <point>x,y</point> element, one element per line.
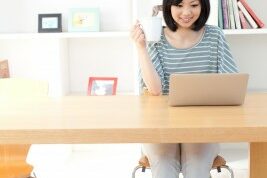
<point>187,45</point>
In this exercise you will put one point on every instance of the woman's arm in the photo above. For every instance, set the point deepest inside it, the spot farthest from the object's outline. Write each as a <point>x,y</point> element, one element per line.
<point>148,71</point>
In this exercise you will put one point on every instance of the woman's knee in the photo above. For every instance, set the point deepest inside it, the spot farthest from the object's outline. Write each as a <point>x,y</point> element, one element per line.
<point>200,150</point>
<point>161,150</point>
<point>162,153</point>
<point>197,159</point>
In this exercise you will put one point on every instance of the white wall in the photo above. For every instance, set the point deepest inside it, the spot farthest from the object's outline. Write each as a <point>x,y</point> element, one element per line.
<point>37,59</point>
<point>101,57</point>
<point>249,52</point>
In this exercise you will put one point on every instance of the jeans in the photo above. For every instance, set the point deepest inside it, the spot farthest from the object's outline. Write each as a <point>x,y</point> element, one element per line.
<point>194,160</point>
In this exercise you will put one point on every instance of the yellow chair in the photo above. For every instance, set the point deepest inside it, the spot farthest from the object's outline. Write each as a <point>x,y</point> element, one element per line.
<point>12,156</point>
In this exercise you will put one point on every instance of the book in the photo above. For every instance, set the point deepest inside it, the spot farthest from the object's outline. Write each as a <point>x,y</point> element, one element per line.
<point>236,15</point>
<point>225,14</point>
<point>213,18</point>
<point>244,23</point>
<point>231,14</point>
<point>252,13</point>
<point>247,15</point>
<point>4,70</point>
<point>220,14</point>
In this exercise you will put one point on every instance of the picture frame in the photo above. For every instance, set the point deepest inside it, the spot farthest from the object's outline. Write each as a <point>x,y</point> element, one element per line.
<point>49,23</point>
<point>99,86</point>
<point>4,69</point>
<point>84,20</point>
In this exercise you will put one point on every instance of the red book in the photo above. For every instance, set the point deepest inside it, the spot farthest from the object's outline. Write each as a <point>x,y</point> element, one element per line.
<point>244,23</point>
<point>252,13</point>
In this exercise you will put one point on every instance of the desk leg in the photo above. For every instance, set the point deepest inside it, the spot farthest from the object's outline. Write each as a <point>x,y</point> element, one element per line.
<point>258,160</point>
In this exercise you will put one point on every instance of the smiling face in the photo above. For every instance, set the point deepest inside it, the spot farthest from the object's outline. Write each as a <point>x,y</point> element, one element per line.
<point>186,13</point>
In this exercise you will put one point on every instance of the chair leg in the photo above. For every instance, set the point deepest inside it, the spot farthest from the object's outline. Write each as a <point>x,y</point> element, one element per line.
<point>230,170</point>
<point>33,176</point>
<point>135,169</point>
<point>139,167</point>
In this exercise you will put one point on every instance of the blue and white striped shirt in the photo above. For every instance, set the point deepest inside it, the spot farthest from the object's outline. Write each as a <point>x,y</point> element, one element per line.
<point>210,55</point>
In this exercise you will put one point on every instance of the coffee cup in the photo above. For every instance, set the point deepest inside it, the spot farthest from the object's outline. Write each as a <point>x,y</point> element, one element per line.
<point>152,27</point>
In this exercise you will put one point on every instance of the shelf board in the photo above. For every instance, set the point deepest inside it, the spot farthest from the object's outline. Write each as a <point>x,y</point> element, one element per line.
<point>64,35</point>
<point>85,94</point>
<point>246,31</point>
<point>107,34</point>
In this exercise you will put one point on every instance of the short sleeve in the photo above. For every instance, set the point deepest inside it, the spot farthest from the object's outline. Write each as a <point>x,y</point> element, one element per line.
<point>226,63</point>
<point>152,49</point>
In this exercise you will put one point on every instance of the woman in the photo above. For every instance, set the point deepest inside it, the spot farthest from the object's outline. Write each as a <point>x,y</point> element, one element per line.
<point>187,45</point>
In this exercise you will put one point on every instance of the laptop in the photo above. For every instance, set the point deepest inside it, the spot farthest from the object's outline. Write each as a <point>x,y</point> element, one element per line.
<point>207,89</point>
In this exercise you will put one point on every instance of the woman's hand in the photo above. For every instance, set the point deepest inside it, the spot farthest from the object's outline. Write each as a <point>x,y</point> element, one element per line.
<point>138,36</point>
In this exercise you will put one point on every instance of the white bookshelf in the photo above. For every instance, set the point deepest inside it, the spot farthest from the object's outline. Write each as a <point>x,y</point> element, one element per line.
<point>67,59</point>
<point>109,52</point>
<point>122,34</point>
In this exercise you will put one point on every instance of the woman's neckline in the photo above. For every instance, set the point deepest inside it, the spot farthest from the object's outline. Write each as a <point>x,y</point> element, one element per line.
<point>189,48</point>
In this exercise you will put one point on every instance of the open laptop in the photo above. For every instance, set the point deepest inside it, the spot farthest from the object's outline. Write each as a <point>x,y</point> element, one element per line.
<point>207,89</point>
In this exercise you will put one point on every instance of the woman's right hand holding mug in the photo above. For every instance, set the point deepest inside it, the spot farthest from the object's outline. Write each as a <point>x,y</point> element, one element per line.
<point>138,36</point>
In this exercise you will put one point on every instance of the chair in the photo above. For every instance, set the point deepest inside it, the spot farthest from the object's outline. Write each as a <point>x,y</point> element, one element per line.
<point>218,163</point>
<point>12,156</point>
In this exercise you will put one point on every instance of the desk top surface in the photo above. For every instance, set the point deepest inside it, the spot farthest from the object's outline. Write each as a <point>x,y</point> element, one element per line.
<point>129,119</point>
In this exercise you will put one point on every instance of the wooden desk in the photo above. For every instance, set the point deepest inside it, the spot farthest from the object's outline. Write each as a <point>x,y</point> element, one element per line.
<point>136,119</point>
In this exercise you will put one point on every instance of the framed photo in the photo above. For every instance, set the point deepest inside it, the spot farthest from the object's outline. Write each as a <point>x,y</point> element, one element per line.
<point>84,20</point>
<point>4,70</point>
<point>49,23</point>
<point>98,86</point>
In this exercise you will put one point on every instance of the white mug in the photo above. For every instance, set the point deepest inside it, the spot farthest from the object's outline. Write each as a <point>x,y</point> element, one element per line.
<point>152,27</point>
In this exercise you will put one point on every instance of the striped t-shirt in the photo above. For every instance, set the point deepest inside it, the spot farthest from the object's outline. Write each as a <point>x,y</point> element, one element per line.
<point>210,55</point>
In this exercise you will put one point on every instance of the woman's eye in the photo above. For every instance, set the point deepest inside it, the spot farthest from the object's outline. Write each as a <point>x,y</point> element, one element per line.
<point>195,5</point>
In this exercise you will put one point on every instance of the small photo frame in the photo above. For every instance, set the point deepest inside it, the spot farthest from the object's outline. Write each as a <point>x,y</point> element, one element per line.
<point>49,23</point>
<point>84,20</point>
<point>4,69</point>
<point>99,86</point>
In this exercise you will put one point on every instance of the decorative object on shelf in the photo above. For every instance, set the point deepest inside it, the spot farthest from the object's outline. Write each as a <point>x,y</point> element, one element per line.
<point>156,9</point>
<point>4,69</point>
<point>102,86</point>
<point>84,20</point>
<point>49,23</point>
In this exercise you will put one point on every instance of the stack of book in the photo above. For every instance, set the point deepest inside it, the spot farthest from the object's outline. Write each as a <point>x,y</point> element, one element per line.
<point>237,14</point>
